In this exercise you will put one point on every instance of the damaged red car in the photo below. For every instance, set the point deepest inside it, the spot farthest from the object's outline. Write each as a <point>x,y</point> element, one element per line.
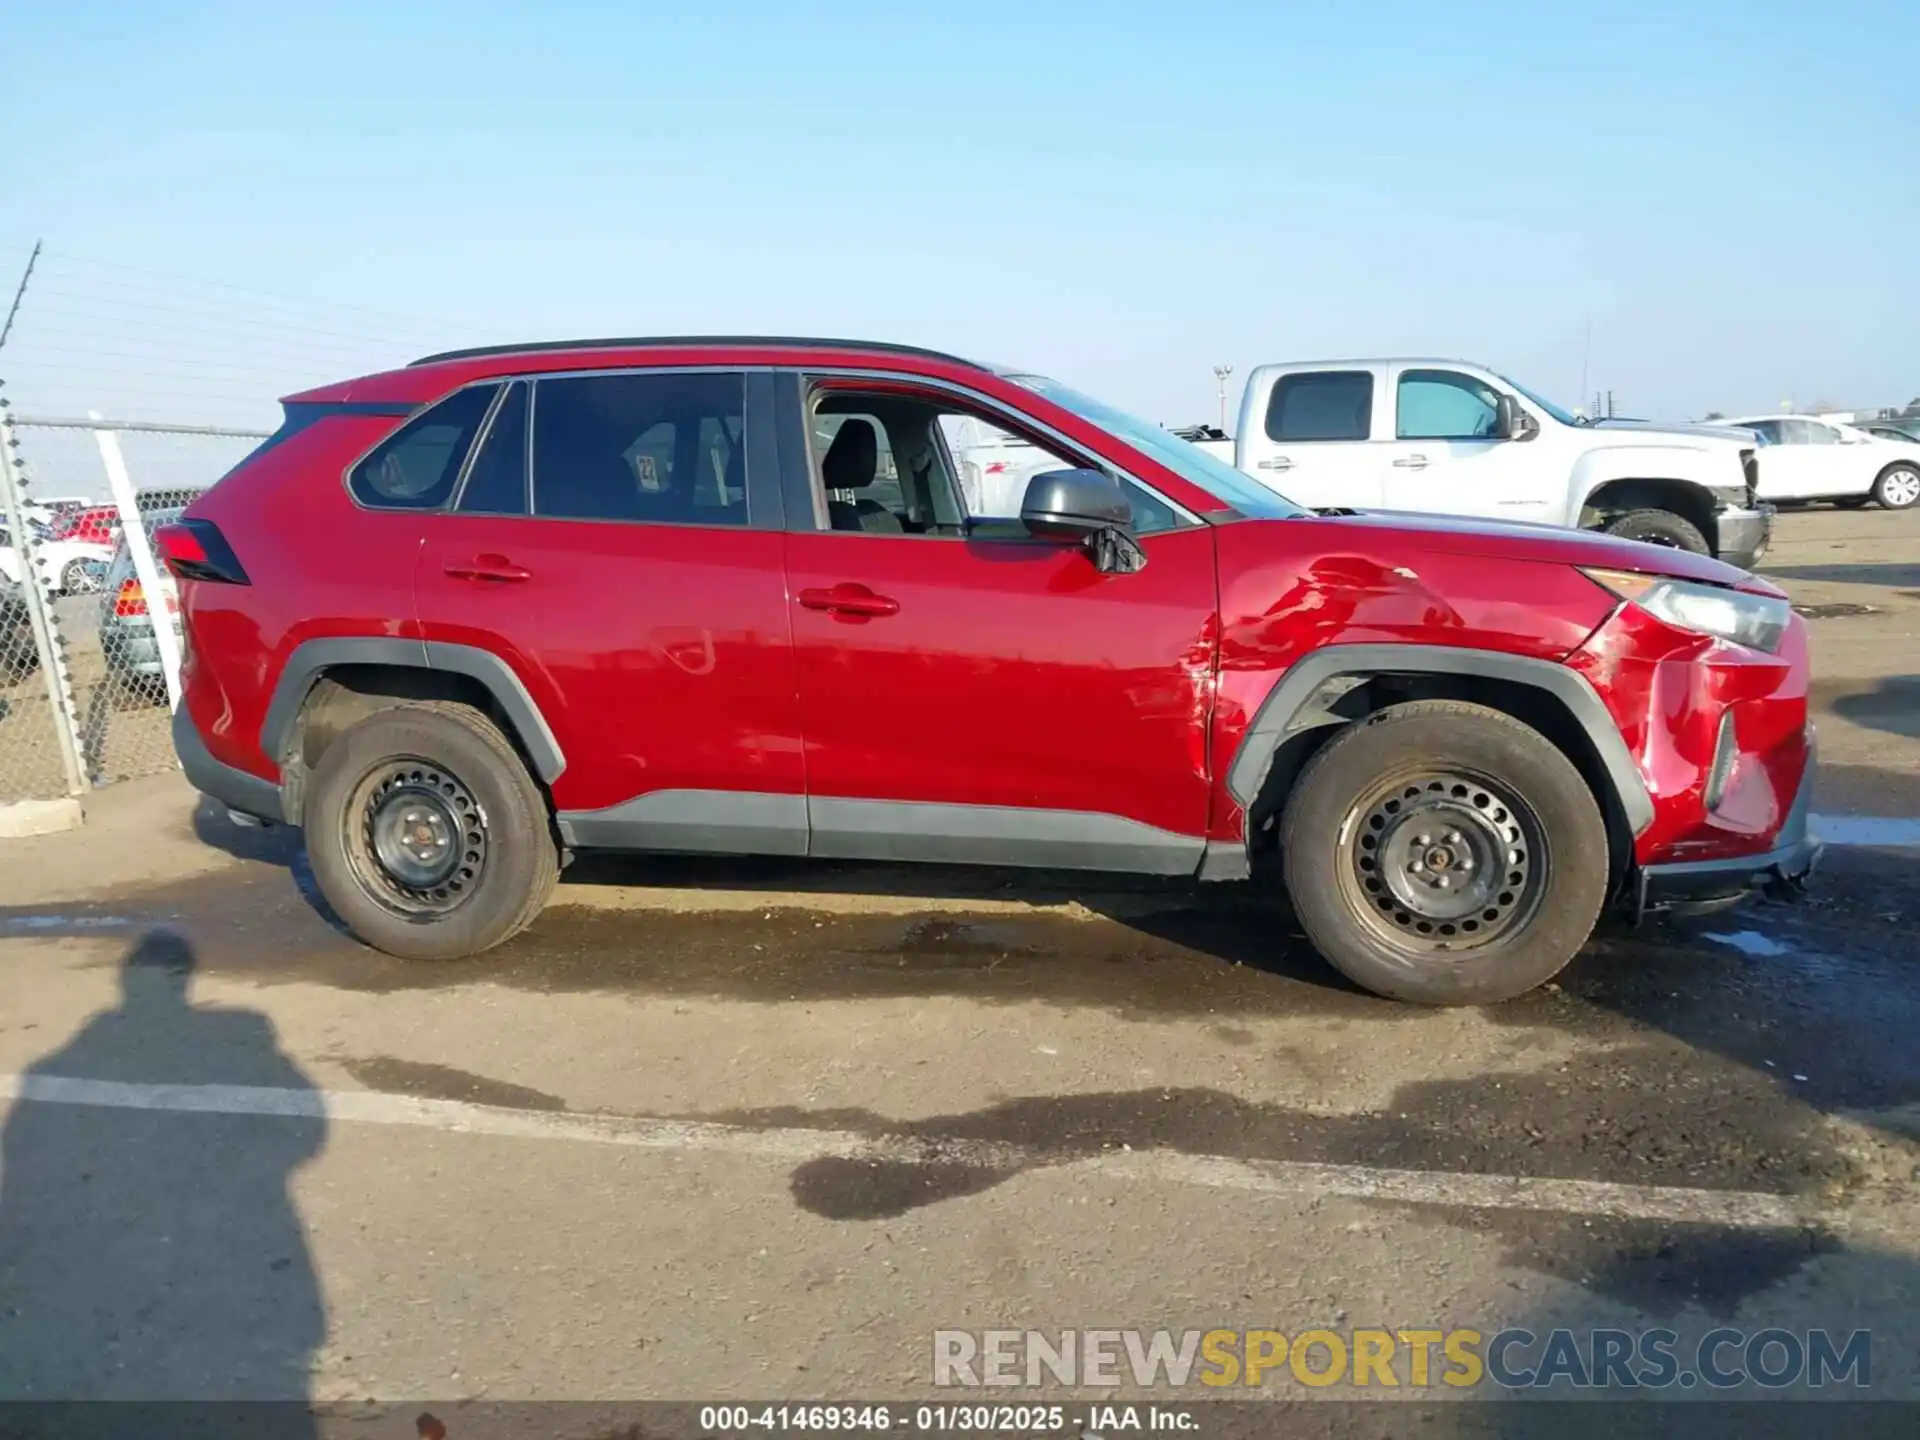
<point>463,620</point>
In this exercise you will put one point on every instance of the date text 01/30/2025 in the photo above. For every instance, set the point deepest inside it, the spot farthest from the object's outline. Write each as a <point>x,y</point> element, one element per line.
<point>962,1419</point>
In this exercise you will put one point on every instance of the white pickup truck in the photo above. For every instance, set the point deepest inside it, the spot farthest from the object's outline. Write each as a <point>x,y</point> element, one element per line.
<point>1446,437</point>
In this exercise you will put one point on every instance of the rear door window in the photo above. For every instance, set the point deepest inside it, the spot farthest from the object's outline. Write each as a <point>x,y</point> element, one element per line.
<point>660,448</point>
<point>415,467</point>
<point>1321,405</point>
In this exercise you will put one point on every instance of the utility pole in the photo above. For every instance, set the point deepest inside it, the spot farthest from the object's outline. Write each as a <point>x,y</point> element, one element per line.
<point>20,290</point>
<point>1220,374</point>
<point>1586,355</point>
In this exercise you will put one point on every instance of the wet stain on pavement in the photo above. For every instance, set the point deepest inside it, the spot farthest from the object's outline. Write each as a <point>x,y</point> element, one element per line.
<point>1629,1116</point>
<point>1658,1268</point>
<point>1551,1125</point>
<point>839,1187</point>
<point>443,1082</point>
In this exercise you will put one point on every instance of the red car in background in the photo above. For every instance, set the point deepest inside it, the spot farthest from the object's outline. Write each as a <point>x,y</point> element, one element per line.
<point>95,525</point>
<point>463,619</point>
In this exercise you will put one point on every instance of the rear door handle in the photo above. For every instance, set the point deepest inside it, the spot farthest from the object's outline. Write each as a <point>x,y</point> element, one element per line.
<point>487,567</point>
<point>1278,462</point>
<point>850,602</point>
<point>1411,462</point>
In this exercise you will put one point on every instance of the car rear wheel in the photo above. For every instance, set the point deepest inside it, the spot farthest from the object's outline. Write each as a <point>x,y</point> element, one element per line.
<point>1897,487</point>
<point>1444,853</point>
<point>427,835</point>
<point>1660,527</point>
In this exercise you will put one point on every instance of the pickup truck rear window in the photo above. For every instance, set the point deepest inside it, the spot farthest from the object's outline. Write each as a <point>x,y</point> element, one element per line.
<point>1321,405</point>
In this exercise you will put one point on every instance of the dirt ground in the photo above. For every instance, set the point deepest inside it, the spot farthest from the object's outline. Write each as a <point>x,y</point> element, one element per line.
<point>759,1129</point>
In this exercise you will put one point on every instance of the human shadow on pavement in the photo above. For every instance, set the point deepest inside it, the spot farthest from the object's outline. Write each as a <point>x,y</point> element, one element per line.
<point>151,1254</point>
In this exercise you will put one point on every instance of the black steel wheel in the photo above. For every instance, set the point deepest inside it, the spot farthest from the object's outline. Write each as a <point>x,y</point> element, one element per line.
<point>419,840</point>
<point>1443,861</point>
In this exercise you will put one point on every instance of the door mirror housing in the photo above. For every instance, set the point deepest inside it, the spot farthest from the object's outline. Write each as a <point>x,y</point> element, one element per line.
<point>1511,420</point>
<point>1071,506</point>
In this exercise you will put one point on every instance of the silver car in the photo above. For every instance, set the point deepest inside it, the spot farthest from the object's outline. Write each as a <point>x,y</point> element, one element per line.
<point>127,639</point>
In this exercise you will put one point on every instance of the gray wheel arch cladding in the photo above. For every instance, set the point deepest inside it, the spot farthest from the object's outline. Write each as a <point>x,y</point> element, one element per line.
<point>313,658</point>
<point>1288,709</point>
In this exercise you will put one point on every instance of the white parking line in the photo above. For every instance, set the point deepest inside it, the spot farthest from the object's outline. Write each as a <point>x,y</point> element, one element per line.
<point>1875,831</point>
<point>1670,1204</point>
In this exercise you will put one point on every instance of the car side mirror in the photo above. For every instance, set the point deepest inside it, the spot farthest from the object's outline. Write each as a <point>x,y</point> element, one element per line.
<point>1511,420</point>
<point>1071,506</point>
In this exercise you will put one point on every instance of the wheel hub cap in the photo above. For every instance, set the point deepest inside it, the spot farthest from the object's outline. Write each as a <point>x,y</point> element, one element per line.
<point>422,838</point>
<point>413,836</point>
<point>1442,861</point>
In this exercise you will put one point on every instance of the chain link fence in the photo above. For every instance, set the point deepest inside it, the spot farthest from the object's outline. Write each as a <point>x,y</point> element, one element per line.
<point>90,627</point>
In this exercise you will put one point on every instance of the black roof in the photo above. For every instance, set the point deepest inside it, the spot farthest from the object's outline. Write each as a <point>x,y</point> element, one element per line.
<point>804,342</point>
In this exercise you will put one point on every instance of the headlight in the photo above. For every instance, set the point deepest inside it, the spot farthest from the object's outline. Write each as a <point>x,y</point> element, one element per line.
<point>1757,621</point>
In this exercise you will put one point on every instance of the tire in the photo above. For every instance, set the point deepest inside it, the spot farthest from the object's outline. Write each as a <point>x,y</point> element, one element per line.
<point>77,579</point>
<point>1897,487</point>
<point>1401,792</point>
<point>426,769</point>
<point>1660,527</point>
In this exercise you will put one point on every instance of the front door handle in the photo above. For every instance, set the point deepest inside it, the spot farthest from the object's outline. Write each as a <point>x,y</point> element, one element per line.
<point>496,568</point>
<point>850,602</point>
<point>1411,462</point>
<point>1278,462</point>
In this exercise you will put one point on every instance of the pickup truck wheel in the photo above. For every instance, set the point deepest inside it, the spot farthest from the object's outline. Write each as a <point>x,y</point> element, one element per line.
<point>1897,488</point>
<point>1444,853</point>
<point>1660,527</point>
<point>427,835</point>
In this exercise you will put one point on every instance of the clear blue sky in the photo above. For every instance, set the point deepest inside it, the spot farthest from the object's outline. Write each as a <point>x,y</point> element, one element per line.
<point>1119,193</point>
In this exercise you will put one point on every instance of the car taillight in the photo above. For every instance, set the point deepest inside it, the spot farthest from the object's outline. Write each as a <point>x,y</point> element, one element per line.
<point>196,550</point>
<point>129,600</point>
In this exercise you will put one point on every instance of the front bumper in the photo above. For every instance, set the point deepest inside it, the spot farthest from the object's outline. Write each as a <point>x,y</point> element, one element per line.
<point>1744,535</point>
<point>1703,886</point>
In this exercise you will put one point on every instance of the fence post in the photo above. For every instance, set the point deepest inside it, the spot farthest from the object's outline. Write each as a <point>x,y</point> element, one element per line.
<point>37,593</point>
<point>140,551</point>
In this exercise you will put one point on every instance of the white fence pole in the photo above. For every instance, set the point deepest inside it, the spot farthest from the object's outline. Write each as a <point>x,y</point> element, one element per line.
<point>39,597</point>
<point>140,550</point>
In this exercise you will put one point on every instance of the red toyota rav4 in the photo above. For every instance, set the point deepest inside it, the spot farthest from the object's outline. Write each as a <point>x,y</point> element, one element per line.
<point>463,619</point>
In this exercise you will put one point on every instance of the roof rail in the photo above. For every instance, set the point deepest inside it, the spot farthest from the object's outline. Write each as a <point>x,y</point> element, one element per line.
<point>631,341</point>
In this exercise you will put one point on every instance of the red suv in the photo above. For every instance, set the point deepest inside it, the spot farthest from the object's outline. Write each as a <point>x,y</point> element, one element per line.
<point>766,596</point>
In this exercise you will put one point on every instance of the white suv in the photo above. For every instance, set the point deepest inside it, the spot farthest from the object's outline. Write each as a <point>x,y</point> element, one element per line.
<point>1808,459</point>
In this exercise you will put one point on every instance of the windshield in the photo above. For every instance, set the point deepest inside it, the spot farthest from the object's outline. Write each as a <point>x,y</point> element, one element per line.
<point>1563,416</point>
<point>1185,459</point>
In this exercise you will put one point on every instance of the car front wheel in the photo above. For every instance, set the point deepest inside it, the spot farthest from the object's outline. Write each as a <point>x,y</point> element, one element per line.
<point>1444,853</point>
<point>427,835</point>
<point>1660,527</point>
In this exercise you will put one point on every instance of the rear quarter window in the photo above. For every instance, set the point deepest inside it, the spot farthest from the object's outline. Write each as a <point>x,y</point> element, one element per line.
<point>415,468</point>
